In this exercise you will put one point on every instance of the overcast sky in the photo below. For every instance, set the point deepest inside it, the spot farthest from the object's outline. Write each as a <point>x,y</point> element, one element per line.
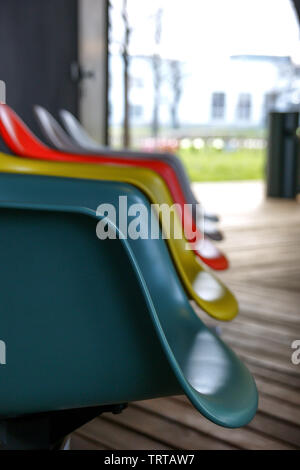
<point>220,28</point>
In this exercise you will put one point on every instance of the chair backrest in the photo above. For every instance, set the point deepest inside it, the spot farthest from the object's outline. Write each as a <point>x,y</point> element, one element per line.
<point>73,317</point>
<point>85,142</point>
<point>60,140</point>
<point>74,129</point>
<point>77,132</point>
<point>208,292</point>
<point>29,145</point>
<point>19,136</point>
<point>52,131</point>
<point>79,141</point>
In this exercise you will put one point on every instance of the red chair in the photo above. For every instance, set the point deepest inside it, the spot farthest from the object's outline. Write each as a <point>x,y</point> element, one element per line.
<point>24,143</point>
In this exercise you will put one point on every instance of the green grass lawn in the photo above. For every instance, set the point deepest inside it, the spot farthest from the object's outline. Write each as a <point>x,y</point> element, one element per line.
<point>215,165</point>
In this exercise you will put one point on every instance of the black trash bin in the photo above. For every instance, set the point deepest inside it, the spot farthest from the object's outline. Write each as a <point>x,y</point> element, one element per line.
<point>283,155</point>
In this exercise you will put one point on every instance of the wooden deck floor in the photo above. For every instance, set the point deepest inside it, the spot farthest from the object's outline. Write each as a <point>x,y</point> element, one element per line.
<point>263,243</point>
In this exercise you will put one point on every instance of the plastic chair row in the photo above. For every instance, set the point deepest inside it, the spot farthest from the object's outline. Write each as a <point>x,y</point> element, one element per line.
<point>93,324</point>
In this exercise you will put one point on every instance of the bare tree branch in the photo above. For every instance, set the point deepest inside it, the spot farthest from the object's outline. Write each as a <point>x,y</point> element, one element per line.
<point>126,79</point>
<point>157,73</point>
<point>176,82</point>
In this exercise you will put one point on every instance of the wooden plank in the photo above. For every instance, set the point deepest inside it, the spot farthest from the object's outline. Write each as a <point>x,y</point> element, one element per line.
<point>263,314</point>
<point>270,426</point>
<point>278,391</point>
<point>272,333</point>
<point>253,357</point>
<point>279,409</point>
<point>245,438</point>
<point>271,406</point>
<point>79,442</point>
<point>170,433</point>
<point>117,437</point>
<point>275,294</point>
<point>274,376</point>
<point>277,350</point>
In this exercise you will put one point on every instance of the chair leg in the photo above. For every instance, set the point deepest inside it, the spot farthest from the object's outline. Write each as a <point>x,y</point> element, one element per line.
<point>48,430</point>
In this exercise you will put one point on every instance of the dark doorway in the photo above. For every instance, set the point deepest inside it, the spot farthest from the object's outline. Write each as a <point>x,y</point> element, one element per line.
<point>38,43</point>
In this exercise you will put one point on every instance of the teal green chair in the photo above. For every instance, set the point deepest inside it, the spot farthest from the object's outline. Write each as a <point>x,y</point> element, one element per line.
<point>90,324</point>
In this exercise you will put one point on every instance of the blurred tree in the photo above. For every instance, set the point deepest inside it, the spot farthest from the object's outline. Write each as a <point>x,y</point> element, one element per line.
<point>126,77</point>
<point>176,82</point>
<point>157,72</point>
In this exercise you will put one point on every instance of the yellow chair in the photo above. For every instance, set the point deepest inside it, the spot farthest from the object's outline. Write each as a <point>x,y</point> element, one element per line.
<point>201,285</point>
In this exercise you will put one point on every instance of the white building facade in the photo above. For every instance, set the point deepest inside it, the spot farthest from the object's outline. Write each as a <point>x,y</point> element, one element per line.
<point>236,93</point>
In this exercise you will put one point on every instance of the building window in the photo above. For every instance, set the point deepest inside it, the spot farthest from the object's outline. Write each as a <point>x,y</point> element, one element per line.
<point>136,111</point>
<point>218,105</point>
<point>244,106</point>
<point>136,82</point>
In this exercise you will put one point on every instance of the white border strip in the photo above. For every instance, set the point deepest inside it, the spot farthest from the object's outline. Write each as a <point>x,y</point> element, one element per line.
<point>2,92</point>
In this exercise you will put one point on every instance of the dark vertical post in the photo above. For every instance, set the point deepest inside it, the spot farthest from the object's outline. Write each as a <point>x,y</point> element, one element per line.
<point>126,75</point>
<point>93,29</point>
<point>38,44</point>
<point>107,84</point>
<point>283,155</point>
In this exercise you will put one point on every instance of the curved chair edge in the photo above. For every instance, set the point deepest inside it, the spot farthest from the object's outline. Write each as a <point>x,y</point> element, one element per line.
<point>222,418</point>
